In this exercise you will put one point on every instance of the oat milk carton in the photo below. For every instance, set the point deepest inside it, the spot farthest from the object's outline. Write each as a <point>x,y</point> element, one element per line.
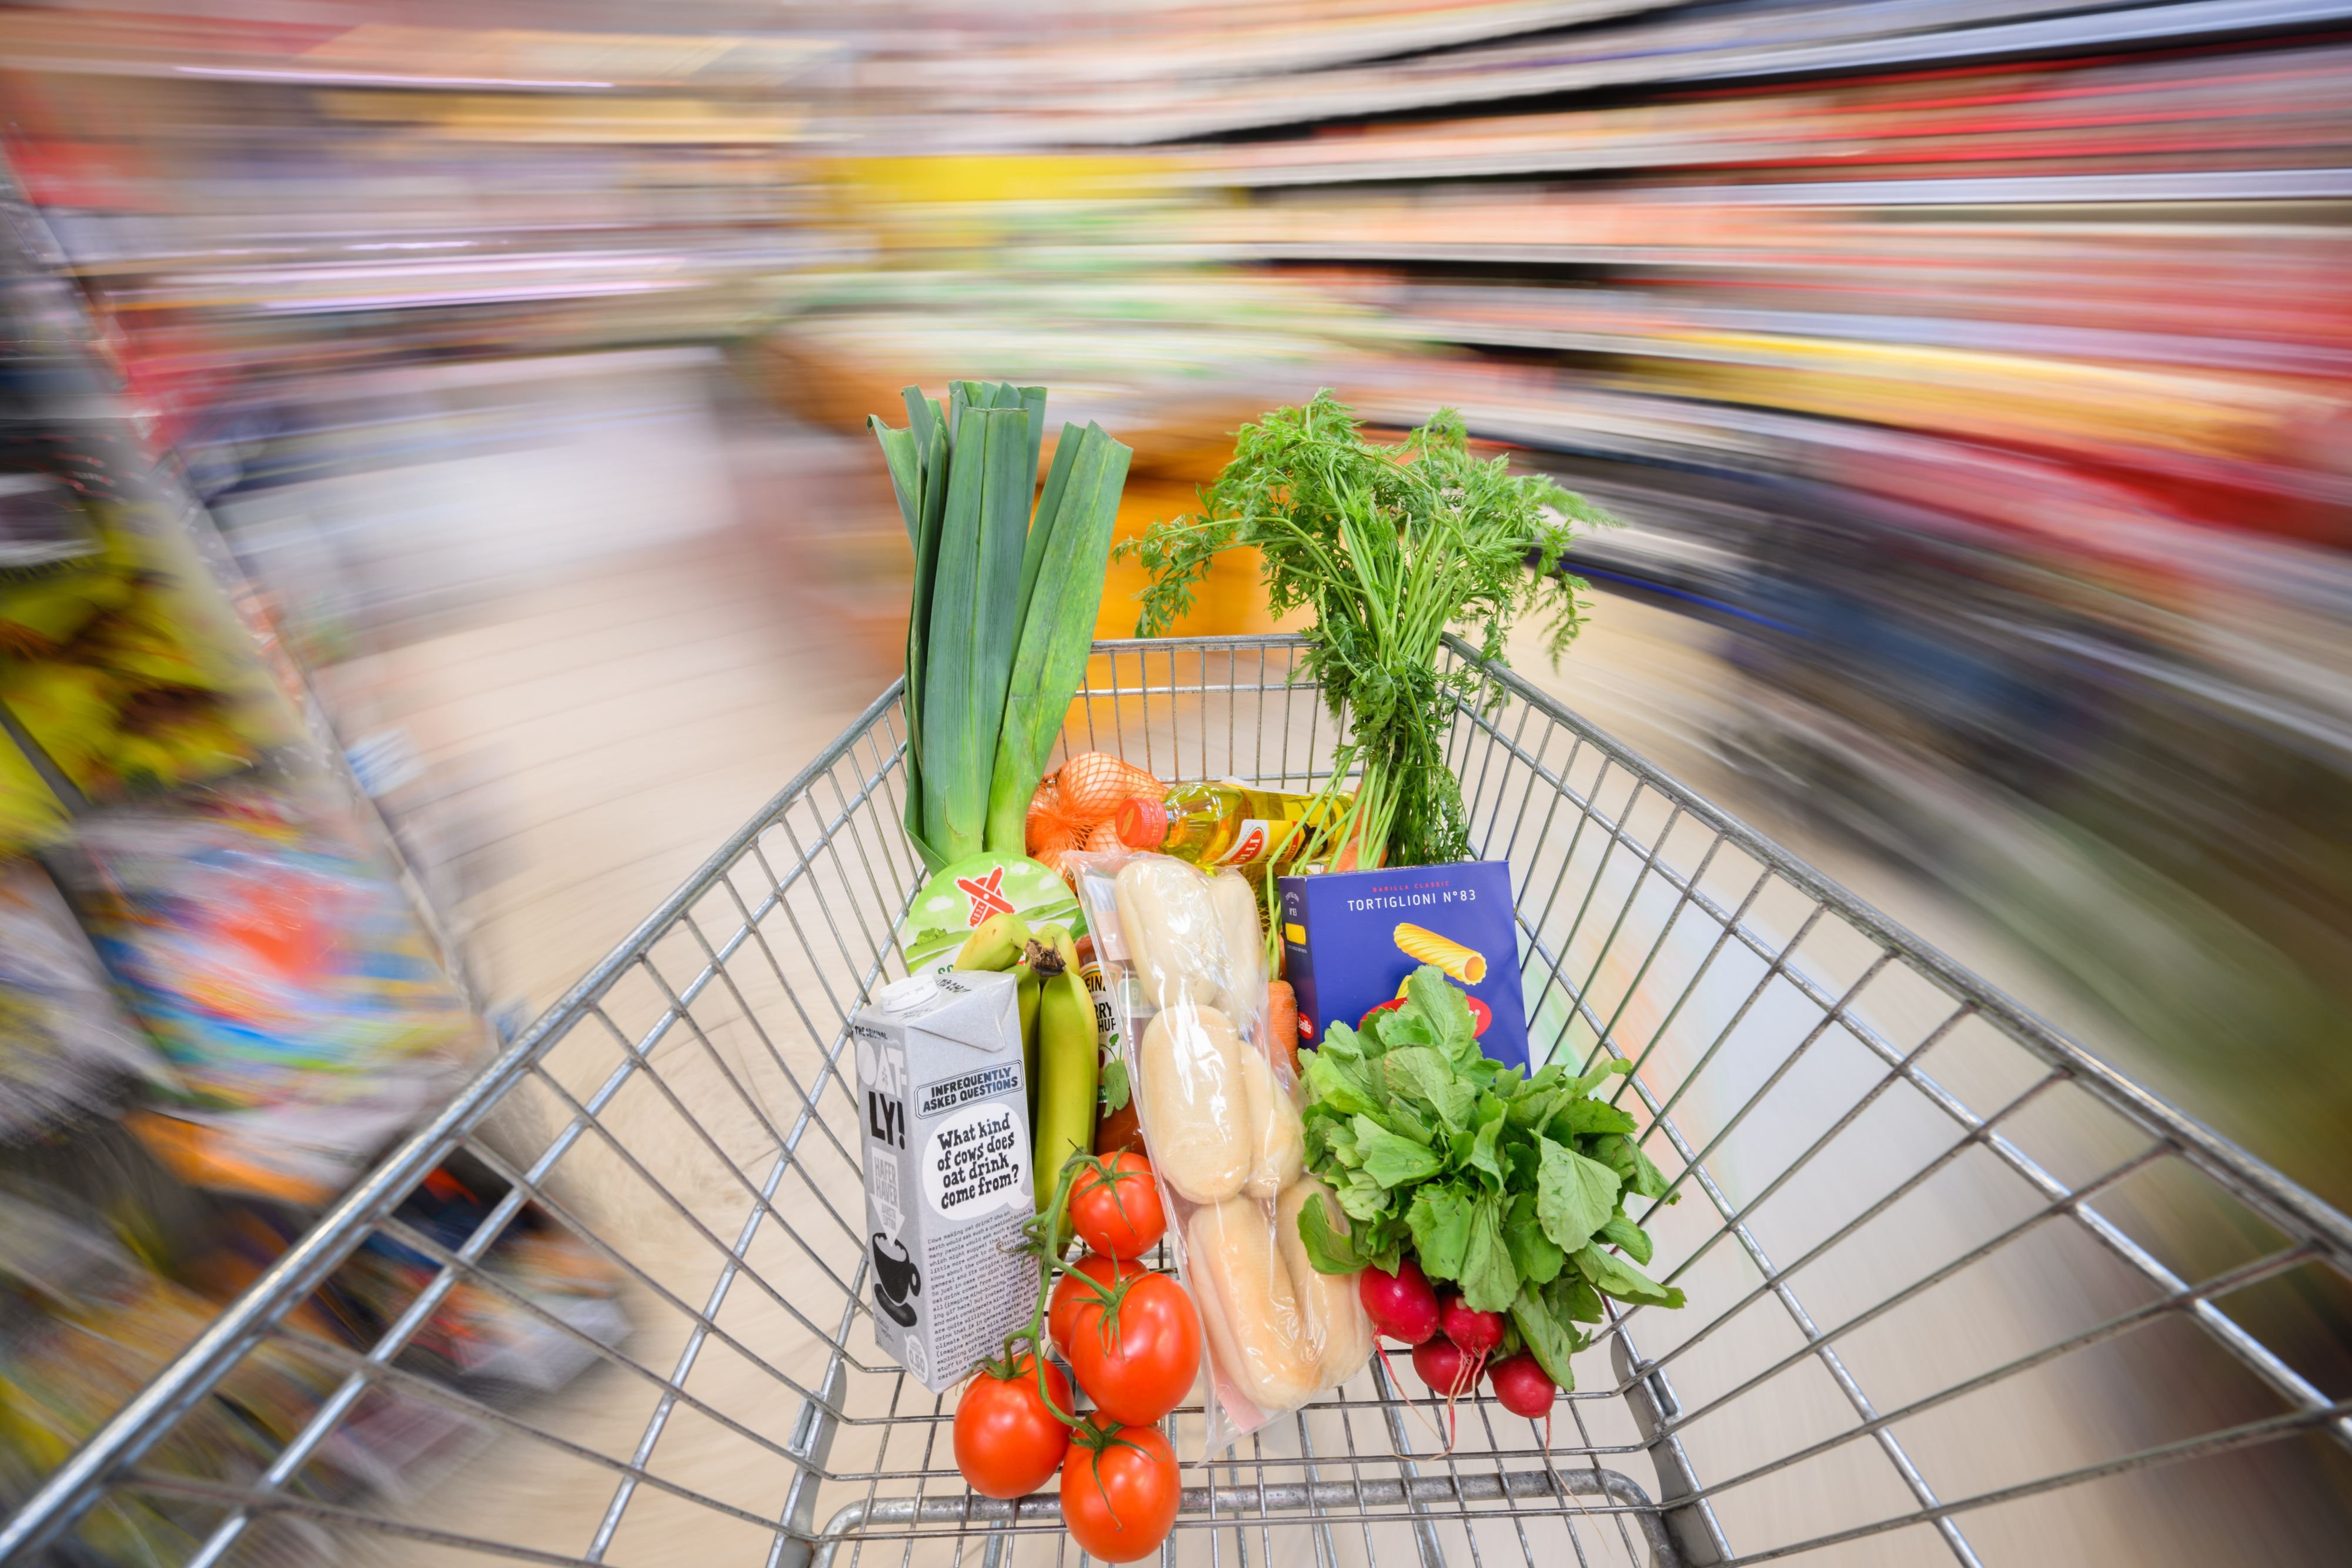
<point>944,1120</point>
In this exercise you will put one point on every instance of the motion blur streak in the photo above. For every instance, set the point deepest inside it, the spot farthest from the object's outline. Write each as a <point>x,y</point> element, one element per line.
<point>1974,378</point>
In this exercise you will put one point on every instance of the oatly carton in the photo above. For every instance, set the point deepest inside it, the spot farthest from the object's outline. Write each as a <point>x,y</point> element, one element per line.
<point>1350,938</point>
<point>944,1132</point>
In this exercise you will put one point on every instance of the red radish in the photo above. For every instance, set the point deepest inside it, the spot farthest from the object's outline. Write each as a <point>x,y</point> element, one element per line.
<point>1445,1366</point>
<point>1401,1305</point>
<point>1521,1387</point>
<point>1476,1333</point>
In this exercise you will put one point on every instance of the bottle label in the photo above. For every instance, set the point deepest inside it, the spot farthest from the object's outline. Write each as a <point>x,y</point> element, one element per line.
<point>1250,842</point>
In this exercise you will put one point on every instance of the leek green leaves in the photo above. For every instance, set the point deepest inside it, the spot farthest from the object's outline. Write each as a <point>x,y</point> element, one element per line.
<point>1003,608</point>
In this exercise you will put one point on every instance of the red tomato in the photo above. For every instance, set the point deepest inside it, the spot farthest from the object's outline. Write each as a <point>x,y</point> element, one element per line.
<point>1007,1442</point>
<point>1120,1493</point>
<point>1120,1216</point>
<point>1069,1291</point>
<point>1136,1359</point>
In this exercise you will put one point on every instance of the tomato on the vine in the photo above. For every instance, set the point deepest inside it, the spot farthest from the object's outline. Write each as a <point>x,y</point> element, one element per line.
<point>1119,1491</point>
<point>1116,1210</point>
<point>1007,1443</point>
<point>1135,1349</point>
<point>1069,1289</point>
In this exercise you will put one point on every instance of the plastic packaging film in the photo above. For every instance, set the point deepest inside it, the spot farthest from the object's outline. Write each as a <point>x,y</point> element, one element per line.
<point>1248,1305</point>
<point>1275,1137</point>
<point>1175,938</point>
<point>1192,1102</point>
<point>1184,960</point>
<point>1245,942</point>
<point>1332,1311</point>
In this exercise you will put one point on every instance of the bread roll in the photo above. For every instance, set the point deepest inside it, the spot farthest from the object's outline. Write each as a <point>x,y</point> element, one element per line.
<point>1256,1332</point>
<point>1277,1140</point>
<point>1194,1105</point>
<point>1244,945</point>
<point>1173,936</point>
<point>1337,1328</point>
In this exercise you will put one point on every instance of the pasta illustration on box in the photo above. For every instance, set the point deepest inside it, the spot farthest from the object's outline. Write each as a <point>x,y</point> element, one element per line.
<point>1467,964</point>
<point>1351,938</point>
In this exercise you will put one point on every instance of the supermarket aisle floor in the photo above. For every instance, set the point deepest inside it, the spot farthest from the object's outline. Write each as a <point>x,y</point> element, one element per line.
<point>627,720</point>
<point>634,718</point>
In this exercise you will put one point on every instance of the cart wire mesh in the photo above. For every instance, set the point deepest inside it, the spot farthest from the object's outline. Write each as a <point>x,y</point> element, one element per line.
<point>1942,1297</point>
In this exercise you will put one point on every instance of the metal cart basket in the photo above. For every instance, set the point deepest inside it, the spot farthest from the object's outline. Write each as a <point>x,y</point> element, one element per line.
<point>1944,1301</point>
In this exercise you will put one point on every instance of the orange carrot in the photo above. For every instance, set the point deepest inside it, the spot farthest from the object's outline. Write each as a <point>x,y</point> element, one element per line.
<point>1281,1021</point>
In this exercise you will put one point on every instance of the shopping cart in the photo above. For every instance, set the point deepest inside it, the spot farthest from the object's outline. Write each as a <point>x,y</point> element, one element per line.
<point>1956,1288</point>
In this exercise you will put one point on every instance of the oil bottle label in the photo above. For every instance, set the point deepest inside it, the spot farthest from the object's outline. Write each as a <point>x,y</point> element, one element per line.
<point>1250,842</point>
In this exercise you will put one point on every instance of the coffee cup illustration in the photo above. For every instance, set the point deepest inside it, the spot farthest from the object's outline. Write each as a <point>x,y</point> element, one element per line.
<point>896,1278</point>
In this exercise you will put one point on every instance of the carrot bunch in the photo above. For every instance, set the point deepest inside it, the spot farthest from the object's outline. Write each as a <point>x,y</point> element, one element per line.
<point>1072,806</point>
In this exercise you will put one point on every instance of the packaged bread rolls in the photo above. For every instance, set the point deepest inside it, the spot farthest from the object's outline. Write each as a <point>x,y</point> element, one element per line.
<point>1193,1101</point>
<point>1184,961</point>
<point>1256,1332</point>
<point>1235,909</point>
<point>1329,1306</point>
<point>1277,1140</point>
<point>1175,939</point>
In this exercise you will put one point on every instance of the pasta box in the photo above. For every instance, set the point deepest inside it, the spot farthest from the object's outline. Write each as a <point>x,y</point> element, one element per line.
<point>1350,938</point>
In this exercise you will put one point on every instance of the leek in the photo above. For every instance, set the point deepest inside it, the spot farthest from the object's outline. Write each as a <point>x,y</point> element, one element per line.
<point>1003,608</point>
<point>1058,621</point>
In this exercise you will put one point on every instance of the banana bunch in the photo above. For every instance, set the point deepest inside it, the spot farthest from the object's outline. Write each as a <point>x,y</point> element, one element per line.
<point>1059,1051</point>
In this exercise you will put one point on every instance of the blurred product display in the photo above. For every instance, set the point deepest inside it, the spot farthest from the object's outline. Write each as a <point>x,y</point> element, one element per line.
<point>65,1044</point>
<point>220,998</point>
<point>283,976</point>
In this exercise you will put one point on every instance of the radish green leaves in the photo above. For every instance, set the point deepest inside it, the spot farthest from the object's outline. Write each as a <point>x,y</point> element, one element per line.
<point>1513,1187</point>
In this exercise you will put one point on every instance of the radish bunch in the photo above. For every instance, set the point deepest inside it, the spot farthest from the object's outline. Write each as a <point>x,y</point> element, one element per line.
<point>1453,1343</point>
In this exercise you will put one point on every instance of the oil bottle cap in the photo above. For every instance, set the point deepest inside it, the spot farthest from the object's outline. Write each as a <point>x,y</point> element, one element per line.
<point>1141,823</point>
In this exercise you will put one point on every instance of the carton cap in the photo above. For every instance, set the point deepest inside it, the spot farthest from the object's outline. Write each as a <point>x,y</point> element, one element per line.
<point>975,1009</point>
<point>906,995</point>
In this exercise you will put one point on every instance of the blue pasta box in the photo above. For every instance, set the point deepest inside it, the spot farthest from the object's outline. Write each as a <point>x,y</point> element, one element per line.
<point>1350,938</point>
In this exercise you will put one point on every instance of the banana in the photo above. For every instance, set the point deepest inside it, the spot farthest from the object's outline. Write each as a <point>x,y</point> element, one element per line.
<point>995,944</point>
<point>1059,941</point>
<point>1032,987</point>
<point>1067,1059</point>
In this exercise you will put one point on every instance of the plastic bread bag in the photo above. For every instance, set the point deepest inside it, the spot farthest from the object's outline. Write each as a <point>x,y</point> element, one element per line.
<point>1184,963</point>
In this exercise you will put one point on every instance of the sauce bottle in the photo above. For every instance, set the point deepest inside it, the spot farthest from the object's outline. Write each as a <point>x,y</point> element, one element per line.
<point>1218,824</point>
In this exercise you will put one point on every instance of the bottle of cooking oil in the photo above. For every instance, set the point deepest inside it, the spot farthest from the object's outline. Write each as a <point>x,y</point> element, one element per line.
<point>1224,824</point>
